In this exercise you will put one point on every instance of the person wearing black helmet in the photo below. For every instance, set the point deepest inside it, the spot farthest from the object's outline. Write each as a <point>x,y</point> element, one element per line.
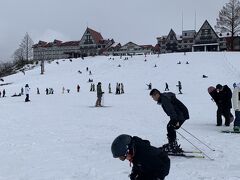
<point>149,162</point>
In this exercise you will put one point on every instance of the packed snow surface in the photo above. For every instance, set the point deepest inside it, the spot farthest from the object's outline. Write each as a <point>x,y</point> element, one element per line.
<point>63,137</point>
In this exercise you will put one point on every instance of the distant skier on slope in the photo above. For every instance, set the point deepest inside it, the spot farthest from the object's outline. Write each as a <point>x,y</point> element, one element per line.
<point>179,85</point>
<point>109,88</point>
<point>236,106</point>
<point>99,95</point>
<point>78,88</point>
<point>166,87</point>
<point>149,86</point>
<point>177,112</point>
<point>27,89</point>
<point>149,162</point>
<point>121,88</point>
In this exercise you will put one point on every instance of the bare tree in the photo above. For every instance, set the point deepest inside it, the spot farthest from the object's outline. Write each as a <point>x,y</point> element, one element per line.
<point>26,46</point>
<point>18,55</point>
<point>229,20</point>
<point>24,51</point>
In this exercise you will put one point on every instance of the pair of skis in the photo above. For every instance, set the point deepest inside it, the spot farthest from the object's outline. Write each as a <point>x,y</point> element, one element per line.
<point>230,131</point>
<point>188,154</point>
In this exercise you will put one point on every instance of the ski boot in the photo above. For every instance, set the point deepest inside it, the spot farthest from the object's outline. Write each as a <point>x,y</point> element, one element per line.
<point>166,148</point>
<point>175,148</point>
<point>172,147</point>
<point>236,128</point>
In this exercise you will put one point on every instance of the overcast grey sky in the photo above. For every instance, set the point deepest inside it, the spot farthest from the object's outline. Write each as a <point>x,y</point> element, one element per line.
<point>140,21</point>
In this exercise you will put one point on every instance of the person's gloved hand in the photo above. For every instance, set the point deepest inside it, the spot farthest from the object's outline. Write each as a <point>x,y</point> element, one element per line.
<point>177,125</point>
<point>133,176</point>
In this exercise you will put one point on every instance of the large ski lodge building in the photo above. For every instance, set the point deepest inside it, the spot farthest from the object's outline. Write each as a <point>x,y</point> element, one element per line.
<point>92,43</point>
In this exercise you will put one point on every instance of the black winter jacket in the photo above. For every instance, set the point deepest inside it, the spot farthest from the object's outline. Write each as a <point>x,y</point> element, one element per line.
<point>173,107</point>
<point>222,98</point>
<point>99,91</point>
<point>149,162</point>
<point>225,97</point>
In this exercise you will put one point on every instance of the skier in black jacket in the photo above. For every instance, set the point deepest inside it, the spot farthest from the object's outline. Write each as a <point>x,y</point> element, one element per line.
<point>177,112</point>
<point>222,96</point>
<point>149,162</point>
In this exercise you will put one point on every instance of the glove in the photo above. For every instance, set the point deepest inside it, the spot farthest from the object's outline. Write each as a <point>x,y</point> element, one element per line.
<point>177,125</point>
<point>174,124</point>
<point>133,176</point>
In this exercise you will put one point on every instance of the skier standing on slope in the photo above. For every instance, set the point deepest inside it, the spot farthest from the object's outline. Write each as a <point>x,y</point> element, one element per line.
<point>177,112</point>
<point>179,85</point>
<point>99,95</point>
<point>149,162</point>
<point>27,89</point>
<point>236,107</point>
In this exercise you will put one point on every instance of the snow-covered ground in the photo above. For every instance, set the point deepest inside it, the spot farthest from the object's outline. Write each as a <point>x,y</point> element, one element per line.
<point>61,137</point>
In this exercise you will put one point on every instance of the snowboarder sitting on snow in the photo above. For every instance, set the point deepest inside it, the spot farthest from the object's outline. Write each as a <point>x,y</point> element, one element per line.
<point>15,95</point>
<point>149,162</point>
<point>177,112</point>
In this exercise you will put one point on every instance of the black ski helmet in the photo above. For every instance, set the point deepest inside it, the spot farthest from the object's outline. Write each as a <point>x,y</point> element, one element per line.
<point>120,145</point>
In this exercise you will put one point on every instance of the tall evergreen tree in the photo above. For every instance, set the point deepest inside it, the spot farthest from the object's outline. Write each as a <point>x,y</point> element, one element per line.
<point>228,20</point>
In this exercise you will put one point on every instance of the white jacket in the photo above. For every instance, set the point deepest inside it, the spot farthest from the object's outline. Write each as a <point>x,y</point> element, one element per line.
<point>27,89</point>
<point>236,98</point>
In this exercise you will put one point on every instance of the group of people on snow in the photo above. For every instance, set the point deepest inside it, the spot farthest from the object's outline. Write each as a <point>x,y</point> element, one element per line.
<point>149,162</point>
<point>224,98</point>
<point>179,86</point>
<point>153,163</point>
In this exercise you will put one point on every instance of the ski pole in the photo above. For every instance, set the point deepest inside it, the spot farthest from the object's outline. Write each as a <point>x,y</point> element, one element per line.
<point>198,139</point>
<point>196,147</point>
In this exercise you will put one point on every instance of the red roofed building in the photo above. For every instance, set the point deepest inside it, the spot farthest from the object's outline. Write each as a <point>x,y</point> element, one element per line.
<point>55,50</point>
<point>131,48</point>
<point>91,44</point>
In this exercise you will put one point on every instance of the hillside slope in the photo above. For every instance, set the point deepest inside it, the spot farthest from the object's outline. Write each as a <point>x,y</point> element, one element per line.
<point>62,137</point>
